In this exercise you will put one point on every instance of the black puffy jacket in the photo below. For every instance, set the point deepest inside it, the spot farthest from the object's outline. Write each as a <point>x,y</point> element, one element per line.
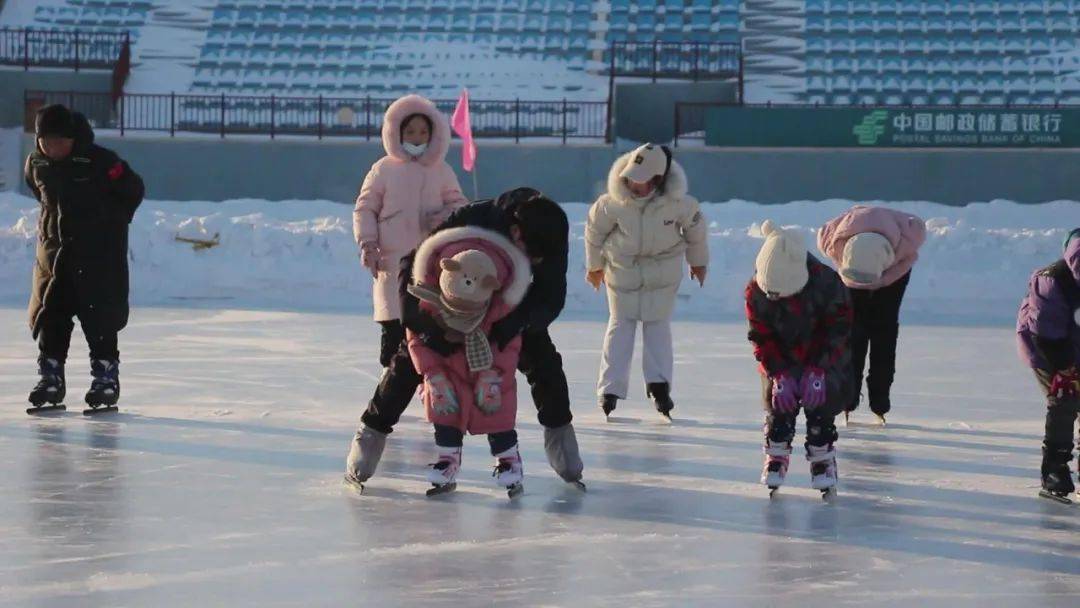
<point>87,201</point>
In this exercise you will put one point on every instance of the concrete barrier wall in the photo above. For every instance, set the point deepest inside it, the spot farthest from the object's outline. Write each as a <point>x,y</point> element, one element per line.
<point>208,168</point>
<point>14,82</point>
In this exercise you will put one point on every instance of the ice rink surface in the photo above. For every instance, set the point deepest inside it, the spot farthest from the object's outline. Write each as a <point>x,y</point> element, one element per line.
<point>220,484</point>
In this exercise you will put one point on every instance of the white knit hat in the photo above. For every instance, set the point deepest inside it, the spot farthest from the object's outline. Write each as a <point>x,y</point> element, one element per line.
<point>781,263</point>
<point>867,256</point>
<point>646,162</point>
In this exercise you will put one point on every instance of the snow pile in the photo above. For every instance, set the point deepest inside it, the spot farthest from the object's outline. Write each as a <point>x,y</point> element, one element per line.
<point>301,255</point>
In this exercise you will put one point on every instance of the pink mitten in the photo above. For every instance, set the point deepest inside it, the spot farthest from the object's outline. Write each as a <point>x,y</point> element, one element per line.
<point>784,397</point>
<point>812,388</point>
<point>370,255</point>
<point>1065,384</point>
<point>489,391</point>
<point>441,393</point>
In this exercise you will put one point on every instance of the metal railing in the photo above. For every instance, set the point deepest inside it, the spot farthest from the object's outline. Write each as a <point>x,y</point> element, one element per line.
<point>74,49</point>
<point>676,60</point>
<point>318,116</point>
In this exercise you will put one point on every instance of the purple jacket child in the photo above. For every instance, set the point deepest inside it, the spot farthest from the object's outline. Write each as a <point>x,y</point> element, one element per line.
<point>1048,325</point>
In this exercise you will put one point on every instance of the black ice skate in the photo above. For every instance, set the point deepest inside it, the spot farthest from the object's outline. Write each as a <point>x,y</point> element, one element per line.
<point>607,404</point>
<point>48,395</point>
<point>660,392</point>
<point>1057,482</point>
<point>105,388</point>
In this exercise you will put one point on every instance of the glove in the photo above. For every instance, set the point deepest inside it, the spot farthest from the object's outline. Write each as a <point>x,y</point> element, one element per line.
<point>441,394</point>
<point>784,399</point>
<point>1065,384</point>
<point>370,255</point>
<point>812,388</point>
<point>489,391</point>
<point>504,331</point>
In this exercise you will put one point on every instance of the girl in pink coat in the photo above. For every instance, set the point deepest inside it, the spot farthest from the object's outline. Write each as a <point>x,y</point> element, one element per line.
<point>874,249</point>
<point>404,196</point>
<point>473,389</point>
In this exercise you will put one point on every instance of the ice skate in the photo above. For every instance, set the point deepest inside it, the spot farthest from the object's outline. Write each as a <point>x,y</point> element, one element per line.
<point>364,454</point>
<point>509,472</point>
<point>823,475</point>
<point>105,388</point>
<point>48,395</point>
<point>607,404</point>
<point>443,473</point>
<point>880,419</point>
<point>1057,481</point>
<point>561,447</point>
<point>660,392</point>
<point>777,459</point>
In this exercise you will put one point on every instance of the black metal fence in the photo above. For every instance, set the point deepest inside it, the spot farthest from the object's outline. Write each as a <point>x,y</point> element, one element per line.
<point>319,116</point>
<point>61,48</point>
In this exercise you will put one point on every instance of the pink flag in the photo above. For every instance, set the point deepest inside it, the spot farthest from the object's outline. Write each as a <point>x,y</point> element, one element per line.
<point>463,127</point>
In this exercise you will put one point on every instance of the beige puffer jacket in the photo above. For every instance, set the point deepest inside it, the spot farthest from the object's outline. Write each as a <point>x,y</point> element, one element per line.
<point>642,244</point>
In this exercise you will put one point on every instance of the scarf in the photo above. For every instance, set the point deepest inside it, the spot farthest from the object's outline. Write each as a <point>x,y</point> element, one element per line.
<point>478,353</point>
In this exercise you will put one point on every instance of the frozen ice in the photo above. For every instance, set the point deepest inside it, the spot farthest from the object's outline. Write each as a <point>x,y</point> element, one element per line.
<point>220,483</point>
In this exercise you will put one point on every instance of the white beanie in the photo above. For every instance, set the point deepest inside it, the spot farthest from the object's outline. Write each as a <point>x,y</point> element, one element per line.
<point>867,256</point>
<point>781,263</point>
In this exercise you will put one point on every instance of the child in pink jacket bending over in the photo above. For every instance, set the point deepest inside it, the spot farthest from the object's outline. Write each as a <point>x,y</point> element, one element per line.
<point>467,279</point>
<point>874,249</point>
<point>405,195</point>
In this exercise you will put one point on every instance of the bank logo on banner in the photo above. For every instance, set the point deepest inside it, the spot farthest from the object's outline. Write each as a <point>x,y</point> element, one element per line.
<point>871,128</point>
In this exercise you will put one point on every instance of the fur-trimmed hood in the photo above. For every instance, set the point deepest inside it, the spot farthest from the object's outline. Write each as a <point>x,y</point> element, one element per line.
<point>675,187</point>
<point>513,267</point>
<point>402,109</point>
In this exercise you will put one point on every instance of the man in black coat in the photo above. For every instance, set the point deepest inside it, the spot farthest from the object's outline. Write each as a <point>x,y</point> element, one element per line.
<point>539,226</point>
<point>88,196</point>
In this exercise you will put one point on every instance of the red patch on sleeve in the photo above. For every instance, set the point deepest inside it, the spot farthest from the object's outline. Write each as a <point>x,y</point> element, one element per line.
<point>116,171</point>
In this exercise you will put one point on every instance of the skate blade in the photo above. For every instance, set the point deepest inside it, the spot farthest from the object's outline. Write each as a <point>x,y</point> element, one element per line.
<point>880,419</point>
<point>354,483</point>
<point>1065,500</point>
<point>578,485</point>
<point>46,409</point>
<point>515,490</point>
<point>665,417</point>
<point>438,490</point>
<point>829,494</point>
<point>847,419</point>
<point>773,490</point>
<point>104,409</point>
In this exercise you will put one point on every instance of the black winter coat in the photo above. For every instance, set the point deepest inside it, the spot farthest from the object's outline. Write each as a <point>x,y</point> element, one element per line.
<point>87,201</point>
<point>542,304</point>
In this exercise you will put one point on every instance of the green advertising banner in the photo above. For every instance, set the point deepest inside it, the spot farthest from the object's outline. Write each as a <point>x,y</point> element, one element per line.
<point>892,127</point>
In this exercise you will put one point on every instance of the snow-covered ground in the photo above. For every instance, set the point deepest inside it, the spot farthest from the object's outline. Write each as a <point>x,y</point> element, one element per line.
<point>220,484</point>
<point>301,255</point>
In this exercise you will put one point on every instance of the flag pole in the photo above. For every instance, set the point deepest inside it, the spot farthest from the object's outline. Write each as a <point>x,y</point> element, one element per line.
<point>475,188</point>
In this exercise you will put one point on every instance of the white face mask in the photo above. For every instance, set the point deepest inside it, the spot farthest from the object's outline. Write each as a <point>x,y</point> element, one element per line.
<point>414,150</point>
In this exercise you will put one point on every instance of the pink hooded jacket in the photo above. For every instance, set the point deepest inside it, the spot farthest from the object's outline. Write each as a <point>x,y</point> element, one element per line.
<point>905,232</point>
<point>515,276</point>
<point>404,198</point>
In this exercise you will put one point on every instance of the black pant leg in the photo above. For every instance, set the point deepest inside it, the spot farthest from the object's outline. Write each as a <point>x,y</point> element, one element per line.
<point>884,333</point>
<point>395,390</point>
<point>502,441</point>
<point>1061,421</point>
<point>54,333</point>
<point>54,338</point>
<point>448,436</point>
<point>393,334</point>
<point>103,342</point>
<point>862,305</point>
<point>543,368</point>
<point>820,428</point>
